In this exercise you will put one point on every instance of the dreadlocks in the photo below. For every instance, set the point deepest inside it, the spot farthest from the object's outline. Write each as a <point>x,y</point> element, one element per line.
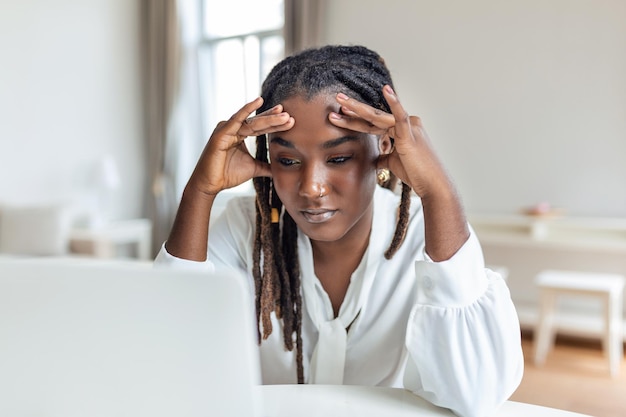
<point>357,72</point>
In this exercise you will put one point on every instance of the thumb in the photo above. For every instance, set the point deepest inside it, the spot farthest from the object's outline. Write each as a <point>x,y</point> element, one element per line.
<point>262,169</point>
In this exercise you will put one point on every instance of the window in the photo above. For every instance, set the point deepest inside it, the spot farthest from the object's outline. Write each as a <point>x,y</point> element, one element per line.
<point>241,41</point>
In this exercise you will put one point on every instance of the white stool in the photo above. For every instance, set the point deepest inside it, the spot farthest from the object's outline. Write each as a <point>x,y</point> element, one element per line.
<point>607,287</point>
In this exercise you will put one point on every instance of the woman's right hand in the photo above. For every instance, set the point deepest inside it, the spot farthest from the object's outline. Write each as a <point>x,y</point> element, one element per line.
<point>225,161</point>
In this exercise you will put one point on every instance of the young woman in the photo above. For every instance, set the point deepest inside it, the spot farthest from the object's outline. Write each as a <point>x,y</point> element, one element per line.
<point>354,284</point>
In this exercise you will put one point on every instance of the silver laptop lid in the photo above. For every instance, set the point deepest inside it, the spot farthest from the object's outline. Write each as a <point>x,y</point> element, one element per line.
<point>100,340</point>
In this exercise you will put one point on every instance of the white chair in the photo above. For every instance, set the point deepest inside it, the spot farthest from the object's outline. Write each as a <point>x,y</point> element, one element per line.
<point>608,288</point>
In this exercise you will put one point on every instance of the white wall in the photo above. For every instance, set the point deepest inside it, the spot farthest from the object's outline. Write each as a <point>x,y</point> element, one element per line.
<point>70,92</point>
<point>525,100</point>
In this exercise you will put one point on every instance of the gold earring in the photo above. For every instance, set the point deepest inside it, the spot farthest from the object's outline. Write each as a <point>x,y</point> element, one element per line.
<point>383,175</point>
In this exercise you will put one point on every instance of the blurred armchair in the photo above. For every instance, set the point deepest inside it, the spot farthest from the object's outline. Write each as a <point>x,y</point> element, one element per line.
<point>35,229</point>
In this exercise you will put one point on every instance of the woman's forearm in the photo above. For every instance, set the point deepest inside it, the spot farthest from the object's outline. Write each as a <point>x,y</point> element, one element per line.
<point>188,238</point>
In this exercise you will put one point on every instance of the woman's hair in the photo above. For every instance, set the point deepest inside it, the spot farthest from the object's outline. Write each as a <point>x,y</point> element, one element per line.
<point>359,73</point>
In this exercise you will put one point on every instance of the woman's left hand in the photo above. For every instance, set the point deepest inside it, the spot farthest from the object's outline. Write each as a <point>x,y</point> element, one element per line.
<point>412,158</point>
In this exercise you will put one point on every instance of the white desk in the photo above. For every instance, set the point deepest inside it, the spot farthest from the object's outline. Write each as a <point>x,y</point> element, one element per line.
<point>353,401</point>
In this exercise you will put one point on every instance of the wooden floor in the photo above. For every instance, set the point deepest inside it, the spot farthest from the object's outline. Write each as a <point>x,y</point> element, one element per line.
<point>575,378</point>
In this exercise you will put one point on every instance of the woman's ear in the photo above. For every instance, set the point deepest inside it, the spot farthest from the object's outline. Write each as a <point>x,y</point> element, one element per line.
<point>385,144</point>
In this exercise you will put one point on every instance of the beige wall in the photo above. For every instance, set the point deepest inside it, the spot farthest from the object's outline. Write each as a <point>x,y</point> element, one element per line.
<point>525,100</point>
<point>70,92</point>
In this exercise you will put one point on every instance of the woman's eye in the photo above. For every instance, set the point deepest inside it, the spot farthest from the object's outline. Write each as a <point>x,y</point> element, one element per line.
<point>339,159</point>
<point>287,162</point>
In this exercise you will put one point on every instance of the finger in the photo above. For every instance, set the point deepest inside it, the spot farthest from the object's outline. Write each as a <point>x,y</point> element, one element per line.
<point>262,169</point>
<point>346,111</point>
<point>259,124</point>
<point>368,113</point>
<point>263,124</point>
<point>277,109</point>
<point>354,123</point>
<point>238,119</point>
<point>402,128</point>
<point>274,110</point>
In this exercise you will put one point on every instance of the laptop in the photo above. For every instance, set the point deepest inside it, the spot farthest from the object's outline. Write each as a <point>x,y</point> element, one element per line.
<point>99,340</point>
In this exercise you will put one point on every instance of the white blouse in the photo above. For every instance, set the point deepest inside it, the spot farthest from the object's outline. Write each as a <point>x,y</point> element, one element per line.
<point>447,331</point>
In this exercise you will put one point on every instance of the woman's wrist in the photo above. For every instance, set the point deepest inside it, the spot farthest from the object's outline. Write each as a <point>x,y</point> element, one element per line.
<point>445,223</point>
<point>189,235</point>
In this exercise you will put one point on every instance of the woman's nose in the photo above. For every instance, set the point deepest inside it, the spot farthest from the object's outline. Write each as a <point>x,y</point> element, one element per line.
<point>313,183</point>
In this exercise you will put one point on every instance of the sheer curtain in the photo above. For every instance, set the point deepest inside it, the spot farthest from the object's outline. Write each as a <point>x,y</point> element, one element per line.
<point>303,24</point>
<point>173,124</point>
<point>172,109</point>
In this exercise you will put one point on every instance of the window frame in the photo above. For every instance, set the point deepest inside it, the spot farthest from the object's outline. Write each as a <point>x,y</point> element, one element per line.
<point>207,80</point>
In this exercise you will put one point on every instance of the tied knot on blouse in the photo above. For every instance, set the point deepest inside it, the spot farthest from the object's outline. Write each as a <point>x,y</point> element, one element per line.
<point>329,355</point>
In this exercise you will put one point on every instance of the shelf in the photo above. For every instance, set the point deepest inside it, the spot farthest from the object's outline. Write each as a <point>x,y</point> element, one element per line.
<point>577,233</point>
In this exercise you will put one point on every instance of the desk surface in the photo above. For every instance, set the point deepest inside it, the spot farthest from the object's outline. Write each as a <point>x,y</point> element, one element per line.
<point>353,401</point>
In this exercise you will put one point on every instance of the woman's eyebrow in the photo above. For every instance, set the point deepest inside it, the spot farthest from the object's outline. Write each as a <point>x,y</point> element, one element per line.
<point>326,145</point>
<point>336,142</point>
<point>282,142</point>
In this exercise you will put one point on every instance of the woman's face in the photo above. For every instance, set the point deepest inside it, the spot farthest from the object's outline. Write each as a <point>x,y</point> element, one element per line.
<point>324,175</point>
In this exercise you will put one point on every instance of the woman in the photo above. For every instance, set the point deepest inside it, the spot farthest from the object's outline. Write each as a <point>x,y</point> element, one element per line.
<point>354,283</point>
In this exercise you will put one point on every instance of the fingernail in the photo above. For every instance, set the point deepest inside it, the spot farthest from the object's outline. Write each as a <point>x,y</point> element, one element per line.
<point>335,116</point>
<point>389,90</point>
<point>342,96</point>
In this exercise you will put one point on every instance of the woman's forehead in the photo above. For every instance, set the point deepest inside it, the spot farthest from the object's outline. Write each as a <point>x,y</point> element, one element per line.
<point>322,102</point>
<point>312,125</point>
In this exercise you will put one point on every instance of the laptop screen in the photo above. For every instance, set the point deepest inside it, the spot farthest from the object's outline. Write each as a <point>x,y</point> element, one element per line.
<point>105,340</point>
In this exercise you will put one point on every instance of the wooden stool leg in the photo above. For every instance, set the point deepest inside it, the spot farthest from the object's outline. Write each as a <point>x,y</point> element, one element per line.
<point>613,337</point>
<point>544,331</point>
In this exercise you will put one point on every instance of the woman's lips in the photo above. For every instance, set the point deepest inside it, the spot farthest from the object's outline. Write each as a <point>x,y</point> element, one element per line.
<point>318,215</point>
